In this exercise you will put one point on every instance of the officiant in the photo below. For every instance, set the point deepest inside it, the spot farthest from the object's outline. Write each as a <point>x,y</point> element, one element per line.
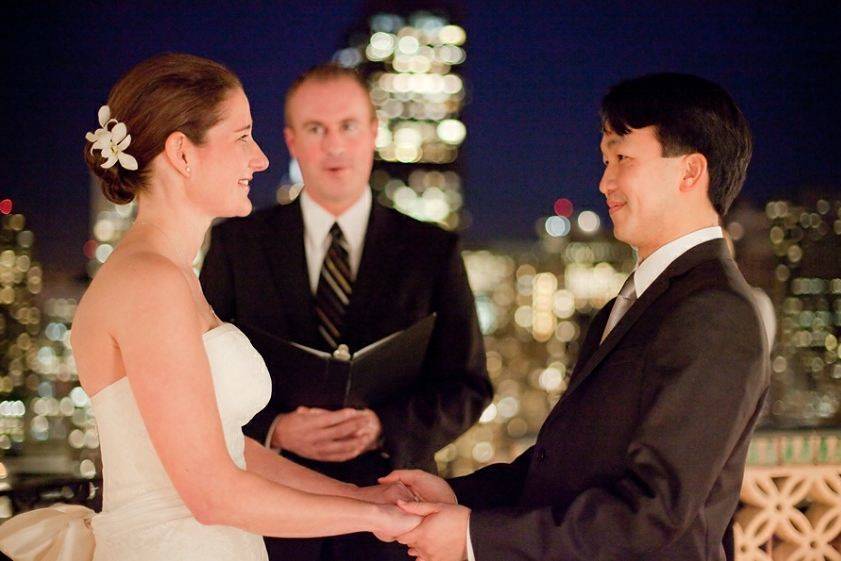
<point>334,267</point>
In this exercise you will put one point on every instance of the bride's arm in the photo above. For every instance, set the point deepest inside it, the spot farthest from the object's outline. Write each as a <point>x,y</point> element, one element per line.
<point>269,464</point>
<point>159,335</point>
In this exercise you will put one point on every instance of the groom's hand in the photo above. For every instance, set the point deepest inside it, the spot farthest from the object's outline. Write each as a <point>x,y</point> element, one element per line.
<point>441,536</point>
<point>329,436</point>
<point>425,486</point>
<point>387,493</point>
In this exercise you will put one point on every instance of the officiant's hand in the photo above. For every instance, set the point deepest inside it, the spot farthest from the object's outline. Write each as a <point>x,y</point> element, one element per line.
<point>442,536</point>
<point>371,433</point>
<point>426,486</point>
<point>328,436</point>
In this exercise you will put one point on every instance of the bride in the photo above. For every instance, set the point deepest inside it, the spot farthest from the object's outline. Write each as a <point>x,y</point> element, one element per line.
<point>170,385</point>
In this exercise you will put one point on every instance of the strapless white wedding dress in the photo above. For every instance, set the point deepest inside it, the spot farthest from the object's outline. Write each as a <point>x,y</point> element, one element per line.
<point>143,518</point>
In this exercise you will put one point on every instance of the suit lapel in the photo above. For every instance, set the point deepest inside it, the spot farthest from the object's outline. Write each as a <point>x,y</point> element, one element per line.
<point>283,243</point>
<point>628,320</point>
<point>713,249</point>
<point>594,331</point>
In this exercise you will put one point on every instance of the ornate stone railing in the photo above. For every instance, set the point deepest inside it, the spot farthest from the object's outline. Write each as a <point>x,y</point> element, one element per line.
<point>791,498</point>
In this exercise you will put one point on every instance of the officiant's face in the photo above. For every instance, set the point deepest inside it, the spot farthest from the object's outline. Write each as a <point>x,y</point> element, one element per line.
<point>641,186</point>
<point>331,132</point>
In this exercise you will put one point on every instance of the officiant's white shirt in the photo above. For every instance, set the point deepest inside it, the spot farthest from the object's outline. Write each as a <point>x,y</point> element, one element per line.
<point>317,224</point>
<point>645,273</point>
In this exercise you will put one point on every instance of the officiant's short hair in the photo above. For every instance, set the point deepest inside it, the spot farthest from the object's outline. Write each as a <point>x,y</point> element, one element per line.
<point>690,114</point>
<point>327,72</point>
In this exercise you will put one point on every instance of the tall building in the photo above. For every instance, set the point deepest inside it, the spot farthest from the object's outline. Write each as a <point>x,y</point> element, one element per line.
<point>45,424</point>
<point>412,63</point>
<point>806,360</point>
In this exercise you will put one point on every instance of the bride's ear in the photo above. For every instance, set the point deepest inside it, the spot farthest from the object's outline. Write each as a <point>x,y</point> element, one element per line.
<point>177,150</point>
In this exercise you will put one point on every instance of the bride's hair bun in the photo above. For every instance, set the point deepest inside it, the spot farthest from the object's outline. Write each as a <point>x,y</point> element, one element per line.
<point>118,185</point>
<point>161,95</point>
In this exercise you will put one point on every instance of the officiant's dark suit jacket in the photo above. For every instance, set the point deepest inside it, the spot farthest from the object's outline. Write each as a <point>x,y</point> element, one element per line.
<point>255,272</point>
<point>643,456</point>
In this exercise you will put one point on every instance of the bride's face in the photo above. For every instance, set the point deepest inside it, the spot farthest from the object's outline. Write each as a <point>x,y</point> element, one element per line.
<point>227,161</point>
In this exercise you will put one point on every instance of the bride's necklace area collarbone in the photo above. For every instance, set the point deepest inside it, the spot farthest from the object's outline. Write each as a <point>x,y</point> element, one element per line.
<point>210,311</point>
<point>171,243</point>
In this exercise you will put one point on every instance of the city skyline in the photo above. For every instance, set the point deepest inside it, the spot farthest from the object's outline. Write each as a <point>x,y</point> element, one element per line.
<point>534,79</point>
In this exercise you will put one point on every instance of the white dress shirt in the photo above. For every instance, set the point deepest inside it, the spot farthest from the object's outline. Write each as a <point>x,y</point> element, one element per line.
<point>317,224</point>
<point>645,273</point>
<point>651,267</point>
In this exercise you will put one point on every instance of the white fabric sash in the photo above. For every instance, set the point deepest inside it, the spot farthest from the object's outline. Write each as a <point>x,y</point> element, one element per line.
<point>61,532</point>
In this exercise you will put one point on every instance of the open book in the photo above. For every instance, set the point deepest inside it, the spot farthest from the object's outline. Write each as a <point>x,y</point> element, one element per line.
<point>367,377</point>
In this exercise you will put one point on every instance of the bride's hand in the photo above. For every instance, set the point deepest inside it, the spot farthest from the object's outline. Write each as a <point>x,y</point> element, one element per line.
<point>427,487</point>
<point>387,493</point>
<point>394,523</point>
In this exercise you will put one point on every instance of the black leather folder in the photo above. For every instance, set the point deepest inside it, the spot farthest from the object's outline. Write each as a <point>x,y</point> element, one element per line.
<point>343,378</point>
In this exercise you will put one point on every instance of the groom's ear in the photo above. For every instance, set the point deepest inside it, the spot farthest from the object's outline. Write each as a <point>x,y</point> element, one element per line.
<point>695,173</point>
<point>178,151</point>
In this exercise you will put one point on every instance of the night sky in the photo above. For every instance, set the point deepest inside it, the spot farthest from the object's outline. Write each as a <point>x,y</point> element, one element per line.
<point>535,71</point>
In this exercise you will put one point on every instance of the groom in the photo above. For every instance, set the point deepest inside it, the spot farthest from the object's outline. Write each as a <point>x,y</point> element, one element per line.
<point>643,456</point>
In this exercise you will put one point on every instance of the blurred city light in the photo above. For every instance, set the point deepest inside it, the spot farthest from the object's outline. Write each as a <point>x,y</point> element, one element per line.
<point>589,221</point>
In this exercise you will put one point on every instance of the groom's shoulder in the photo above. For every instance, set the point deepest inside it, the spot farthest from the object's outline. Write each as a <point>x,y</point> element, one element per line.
<point>713,292</point>
<point>717,276</point>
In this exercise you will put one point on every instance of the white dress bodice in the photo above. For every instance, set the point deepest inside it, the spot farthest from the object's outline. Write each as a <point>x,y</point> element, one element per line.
<point>143,516</point>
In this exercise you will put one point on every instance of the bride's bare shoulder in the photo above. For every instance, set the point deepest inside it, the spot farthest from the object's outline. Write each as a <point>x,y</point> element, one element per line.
<point>129,281</point>
<point>140,269</point>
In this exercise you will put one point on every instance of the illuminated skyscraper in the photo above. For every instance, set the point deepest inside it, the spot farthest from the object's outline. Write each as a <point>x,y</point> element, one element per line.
<point>412,64</point>
<point>20,322</point>
<point>806,361</point>
<point>45,425</point>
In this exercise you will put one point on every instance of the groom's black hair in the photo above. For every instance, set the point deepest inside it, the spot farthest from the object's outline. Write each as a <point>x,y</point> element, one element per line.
<point>690,114</point>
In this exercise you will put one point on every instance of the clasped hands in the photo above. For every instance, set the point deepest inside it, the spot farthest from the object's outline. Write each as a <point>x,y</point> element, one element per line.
<point>429,520</point>
<point>327,436</point>
<point>442,531</point>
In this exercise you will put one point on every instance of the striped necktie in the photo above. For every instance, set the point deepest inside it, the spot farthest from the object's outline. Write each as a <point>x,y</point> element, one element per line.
<point>624,300</point>
<point>334,288</point>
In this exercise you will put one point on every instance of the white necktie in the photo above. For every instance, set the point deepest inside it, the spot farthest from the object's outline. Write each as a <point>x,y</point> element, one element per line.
<point>626,297</point>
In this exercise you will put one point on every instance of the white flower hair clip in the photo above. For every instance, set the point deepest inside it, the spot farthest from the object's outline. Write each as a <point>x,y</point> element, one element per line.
<point>111,143</point>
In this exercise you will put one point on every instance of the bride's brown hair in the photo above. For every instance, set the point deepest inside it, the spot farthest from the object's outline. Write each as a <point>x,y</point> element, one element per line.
<point>163,94</point>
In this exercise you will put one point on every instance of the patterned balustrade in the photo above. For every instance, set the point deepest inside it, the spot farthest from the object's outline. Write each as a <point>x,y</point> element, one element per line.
<point>791,499</point>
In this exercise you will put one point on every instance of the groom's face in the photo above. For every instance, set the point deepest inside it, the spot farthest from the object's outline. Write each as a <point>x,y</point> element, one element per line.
<point>642,188</point>
<point>331,131</point>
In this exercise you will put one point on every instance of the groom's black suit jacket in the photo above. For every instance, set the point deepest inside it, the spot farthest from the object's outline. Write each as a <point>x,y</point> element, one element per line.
<point>643,456</point>
<point>256,272</point>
